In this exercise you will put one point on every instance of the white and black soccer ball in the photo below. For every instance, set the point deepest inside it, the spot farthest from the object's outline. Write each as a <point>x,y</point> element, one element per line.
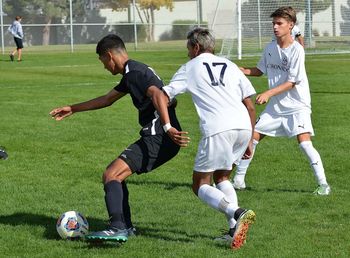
<point>72,225</point>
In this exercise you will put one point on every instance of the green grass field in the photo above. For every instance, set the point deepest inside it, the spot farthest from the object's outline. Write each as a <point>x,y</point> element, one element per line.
<point>57,166</point>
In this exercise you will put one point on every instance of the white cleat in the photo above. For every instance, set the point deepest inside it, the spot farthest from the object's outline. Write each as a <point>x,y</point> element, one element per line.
<point>239,185</point>
<point>323,190</point>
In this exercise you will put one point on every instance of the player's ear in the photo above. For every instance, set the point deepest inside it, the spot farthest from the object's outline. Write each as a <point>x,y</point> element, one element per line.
<point>197,49</point>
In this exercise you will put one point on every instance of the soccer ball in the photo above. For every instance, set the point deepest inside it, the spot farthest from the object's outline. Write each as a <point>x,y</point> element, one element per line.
<point>72,225</point>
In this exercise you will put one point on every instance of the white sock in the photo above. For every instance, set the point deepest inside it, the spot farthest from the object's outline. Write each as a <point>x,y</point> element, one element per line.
<point>315,161</point>
<point>217,200</point>
<point>230,193</point>
<point>243,165</point>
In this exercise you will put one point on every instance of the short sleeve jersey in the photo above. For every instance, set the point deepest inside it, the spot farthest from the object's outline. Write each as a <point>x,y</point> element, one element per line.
<point>282,65</point>
<point>295,32</point>
<point>217,87</point>
<point>137,78</point>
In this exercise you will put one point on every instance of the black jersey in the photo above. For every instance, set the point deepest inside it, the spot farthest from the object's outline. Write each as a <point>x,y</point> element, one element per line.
<point>137,78</point>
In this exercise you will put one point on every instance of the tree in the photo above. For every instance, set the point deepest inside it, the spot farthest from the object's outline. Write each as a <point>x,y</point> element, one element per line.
<point>47,12</point>
<point>145,10</point>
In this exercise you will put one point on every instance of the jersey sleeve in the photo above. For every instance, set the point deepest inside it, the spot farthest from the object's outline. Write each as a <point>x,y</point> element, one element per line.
<point>262,63</point>
<point>296,66</point>
<point>246,87</point>
<point>178,83</point>
<point>139,81</point>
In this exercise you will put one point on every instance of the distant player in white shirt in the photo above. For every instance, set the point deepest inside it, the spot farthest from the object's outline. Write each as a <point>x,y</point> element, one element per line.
<point>17,32</point>
<point>221,95</point>
<point>288,110</point>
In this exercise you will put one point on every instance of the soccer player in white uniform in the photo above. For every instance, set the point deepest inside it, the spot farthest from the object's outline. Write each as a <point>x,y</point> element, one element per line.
<point>221,95</point>
<point>288,110</point>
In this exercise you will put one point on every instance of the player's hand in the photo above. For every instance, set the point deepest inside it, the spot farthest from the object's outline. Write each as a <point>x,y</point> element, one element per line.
<point>61,113</point>
<point>262,98</point>
<point>249,151</point>
<point>180,138</point>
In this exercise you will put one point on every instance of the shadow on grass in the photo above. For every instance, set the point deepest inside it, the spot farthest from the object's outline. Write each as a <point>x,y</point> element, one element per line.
<point>152,230</point>
<point>281,190</point>
<point>165,185</point>
<point>49,223</point>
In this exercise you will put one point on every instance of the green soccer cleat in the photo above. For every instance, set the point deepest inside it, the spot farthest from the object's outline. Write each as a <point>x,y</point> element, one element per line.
<point>110,234</point>
<point>246,218</point>
<point>323,190</point>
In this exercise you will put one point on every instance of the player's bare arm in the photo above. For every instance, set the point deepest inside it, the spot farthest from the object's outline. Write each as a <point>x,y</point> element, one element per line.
<point>252,71</point>
<point>249,104</point>
<point>96,103</point>
<point>160,101</point>
<point>265,96</point>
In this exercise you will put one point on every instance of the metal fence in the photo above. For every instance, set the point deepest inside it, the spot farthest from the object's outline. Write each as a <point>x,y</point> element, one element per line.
<point>246,23</point>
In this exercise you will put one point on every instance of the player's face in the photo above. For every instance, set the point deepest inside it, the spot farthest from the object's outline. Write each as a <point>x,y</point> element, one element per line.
<point>108,62</point>
<point>281,27</point>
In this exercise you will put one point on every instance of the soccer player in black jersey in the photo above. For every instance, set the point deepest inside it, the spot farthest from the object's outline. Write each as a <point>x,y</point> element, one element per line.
<point>154,147</point>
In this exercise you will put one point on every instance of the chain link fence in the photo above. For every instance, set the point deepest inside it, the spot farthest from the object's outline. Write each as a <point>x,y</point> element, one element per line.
<point>72,25</point>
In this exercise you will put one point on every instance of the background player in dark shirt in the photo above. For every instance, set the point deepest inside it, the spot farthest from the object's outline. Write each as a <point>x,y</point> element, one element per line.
<point>153,149</point>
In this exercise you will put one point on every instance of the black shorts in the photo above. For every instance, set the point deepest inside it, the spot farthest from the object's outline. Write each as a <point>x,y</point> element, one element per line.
<point>149,152</point>
<point>19,43</point>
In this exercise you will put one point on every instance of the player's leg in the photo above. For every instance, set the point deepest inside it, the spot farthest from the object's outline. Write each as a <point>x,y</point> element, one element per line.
<point>112,179</point>
<point>266,125</point>
<point>19,58</point>
<point>219,201</point>
<point>19,43</point>
<point>221,151</point>
<point>300,125</point>
<point>316,164</point>
<point>242,167</point>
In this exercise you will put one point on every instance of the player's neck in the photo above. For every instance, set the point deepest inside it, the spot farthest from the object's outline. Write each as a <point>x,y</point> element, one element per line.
<point>285,41</point>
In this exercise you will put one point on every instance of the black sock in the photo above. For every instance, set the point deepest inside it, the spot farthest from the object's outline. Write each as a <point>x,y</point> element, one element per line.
<point>238,213</point>
<point>231,231</point>
<point>126,207</point>
<point>114,203</point>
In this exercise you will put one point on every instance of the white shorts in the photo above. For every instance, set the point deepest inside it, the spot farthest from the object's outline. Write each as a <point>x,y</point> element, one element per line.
<point>289,125</point>
<point>222,150</point>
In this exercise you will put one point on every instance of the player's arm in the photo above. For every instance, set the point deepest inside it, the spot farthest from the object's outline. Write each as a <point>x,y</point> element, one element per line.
<point>249,104</point>
<point>160,101</point>
<point>252,71</point>
<point>266,95</point>
<point>300,39</point>
<point>96,103</point>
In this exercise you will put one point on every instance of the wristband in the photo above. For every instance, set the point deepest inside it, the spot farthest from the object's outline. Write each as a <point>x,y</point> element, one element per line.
<point>166,127</point>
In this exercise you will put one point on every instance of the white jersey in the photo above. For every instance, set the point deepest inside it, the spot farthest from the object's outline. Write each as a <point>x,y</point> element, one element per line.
<point>217,87</point>
<point>16,29</point>
<point>296,32</point>
<point>282,65</point>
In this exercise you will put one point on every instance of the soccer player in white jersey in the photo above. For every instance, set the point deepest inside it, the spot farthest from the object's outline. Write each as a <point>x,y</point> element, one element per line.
<point>221,95</point>
<point>288,109</point>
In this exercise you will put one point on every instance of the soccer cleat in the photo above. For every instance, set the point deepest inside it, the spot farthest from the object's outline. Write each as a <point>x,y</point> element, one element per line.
<point>12,58</point>
<point>323,190</point>
<point>225,238</point>
<point>246,218</point>
<point>3,154</point>
<point>110,234</point>
<point>239,185</point>
<point>131,231</point>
